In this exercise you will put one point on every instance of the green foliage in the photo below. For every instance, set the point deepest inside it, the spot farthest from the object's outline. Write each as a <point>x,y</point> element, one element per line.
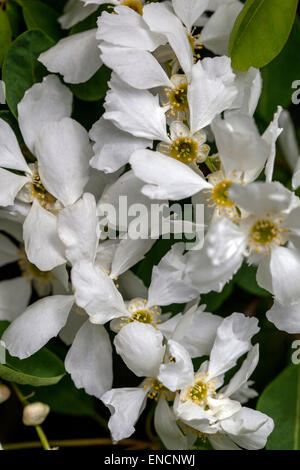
<point>279,75</point>
<point>281,401</point>
<point>21,62</point>
<point>214,300</point>
<point>95,88</point>
<point>42,368</point>
<point>260,32</point>
<point>64,398</point>
<point>246,279</point>
<point>41,17</point>
<point>5,35</point>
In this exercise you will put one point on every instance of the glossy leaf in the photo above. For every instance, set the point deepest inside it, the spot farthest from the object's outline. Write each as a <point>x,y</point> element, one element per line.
<point>21,63</point>
<point>95,88</point>
<point>281,401</point>
<point>41,17</point>
<point>42,368</point>
<point>260,32</point>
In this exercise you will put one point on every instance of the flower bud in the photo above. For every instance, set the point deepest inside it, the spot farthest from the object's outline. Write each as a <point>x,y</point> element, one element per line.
<point>35,413</point>
<point>4,393</point>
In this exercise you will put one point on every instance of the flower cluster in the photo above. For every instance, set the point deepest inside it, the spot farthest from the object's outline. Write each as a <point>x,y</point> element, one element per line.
<point>178,124</point>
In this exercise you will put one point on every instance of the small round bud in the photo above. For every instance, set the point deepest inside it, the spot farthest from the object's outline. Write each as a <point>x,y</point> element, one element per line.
<point>35,413</point>
<point>4,393</point>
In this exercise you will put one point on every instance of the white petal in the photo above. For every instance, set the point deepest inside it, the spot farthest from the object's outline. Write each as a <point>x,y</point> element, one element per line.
<point>243,374</point>
<point>12,227</point>
<point>76,319</point>
<point>189,11</point>
<point>285,317</point>
<point>89,360</point>
<point>216,33</point>
<point>167,284</point>
<point>211,91</point>
<point>193,414</point>
<point>152,167</point>
<point>249,85</point>
<point>232,341</point>
<point>39,323</point>
<point>63,153</point>
<point>9,253</point>
<point>14,297</point>
<point>136,67</point>
<point>77,229</point>
<point>196,331</point>
<point>270,136</point>
<point>128,29</point>
<point>10,153</point>
<point>288,139</point>
<point>42,245</point>
<point>132,286</point>
<point>180,373</point>
<point>260,198</point>
<point>140,346</point>
<point>76,57</point>
<point>167,429</point>
<point>240,145</point>
<point>126,406</point>
<point>161,19</point>
<point>10,185</point>
<point>284,266</point>
<point>96,293</point>
<point>128,253</point>
<point>135,111</point>
<point>42,104</point>
<point>75,11</point>
<point>296,176</point>
<point>113,147</point>
<point>249,428</point>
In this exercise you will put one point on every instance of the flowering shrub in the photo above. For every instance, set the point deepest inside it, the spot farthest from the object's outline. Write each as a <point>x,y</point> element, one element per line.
<point>150,222</point>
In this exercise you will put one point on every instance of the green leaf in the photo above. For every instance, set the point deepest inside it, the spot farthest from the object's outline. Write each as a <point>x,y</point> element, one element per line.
<point>281,401</point>
<point>246,279</point>
<point>41,17</point>
<point>21,62</point>
<point>14,13</point>
<point>64,398</point>
<point>260,32</point>
<point>5,35</point>
<point>279,75</point>
<point>42,368</point>
<point>88,23</point>
<point>95,88</point>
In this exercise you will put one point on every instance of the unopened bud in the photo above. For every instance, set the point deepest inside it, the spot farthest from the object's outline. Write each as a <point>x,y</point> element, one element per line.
<point>35,413</point>
<point>4,393</point>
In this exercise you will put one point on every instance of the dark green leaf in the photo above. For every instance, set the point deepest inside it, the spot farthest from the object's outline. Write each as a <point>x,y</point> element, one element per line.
<point>42,368</point>
<point>41,17</point>
<point>21,68</point>
<point>95,88</point>
<point>5,35</point>
<point>281,401</point>
<point>65,398</point>
<point>260,32</point>
<point>246,279</point>
<point>279,76</point>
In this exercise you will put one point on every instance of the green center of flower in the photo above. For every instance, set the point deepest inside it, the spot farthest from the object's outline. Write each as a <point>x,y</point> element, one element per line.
<point>143,316</point>
<point>30,271</point>
<point>220,194</point>
<point>184,149</point>
<point>199,392</point>
<point>178,98</point>
<point>264,232</point>
<point>39,192</point>
<point>135,5</point>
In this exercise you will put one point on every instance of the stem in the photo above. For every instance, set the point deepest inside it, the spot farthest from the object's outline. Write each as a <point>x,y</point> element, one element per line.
<point>79,443</point>
<point>42,436</point>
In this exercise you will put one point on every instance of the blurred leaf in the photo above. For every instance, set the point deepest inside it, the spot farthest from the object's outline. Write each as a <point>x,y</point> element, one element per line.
<point>260,32</point>
<point>281,401</point>
<point>64,398</point>
<point>246,279</point>
<point>279,76</point>
<point>42,368</point>
<point>5,35</point>
<point>41,17</point>
<point>214,300</point>
<point>88,23</point>
<point>21,63</point>
<point>95,88</point>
